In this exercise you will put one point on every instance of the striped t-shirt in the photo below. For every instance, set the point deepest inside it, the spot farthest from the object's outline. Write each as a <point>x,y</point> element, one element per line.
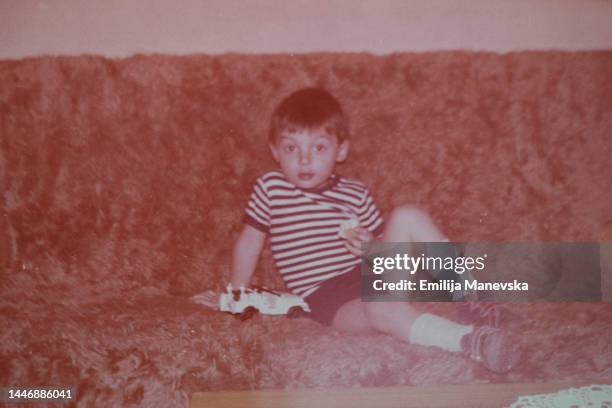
<point>304,225</point>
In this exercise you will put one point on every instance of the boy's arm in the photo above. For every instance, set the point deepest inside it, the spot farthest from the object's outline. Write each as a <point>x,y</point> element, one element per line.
<point>247,249</point>
<point>246,253</point>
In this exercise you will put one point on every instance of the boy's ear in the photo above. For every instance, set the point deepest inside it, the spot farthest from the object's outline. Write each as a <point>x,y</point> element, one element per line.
<point>343,150</point>
<point>274,151</point>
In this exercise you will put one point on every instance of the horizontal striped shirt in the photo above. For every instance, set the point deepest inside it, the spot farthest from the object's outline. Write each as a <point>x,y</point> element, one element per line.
<point>304,226</point>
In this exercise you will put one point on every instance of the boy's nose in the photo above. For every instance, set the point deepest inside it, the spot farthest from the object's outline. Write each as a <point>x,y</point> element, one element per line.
<point>304,158</point>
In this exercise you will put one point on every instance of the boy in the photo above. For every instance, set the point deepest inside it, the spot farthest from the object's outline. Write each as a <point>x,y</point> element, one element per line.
<point>317,222</point>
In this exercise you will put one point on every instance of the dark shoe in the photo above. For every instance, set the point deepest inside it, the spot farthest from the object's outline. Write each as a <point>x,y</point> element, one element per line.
<point>491,347</point>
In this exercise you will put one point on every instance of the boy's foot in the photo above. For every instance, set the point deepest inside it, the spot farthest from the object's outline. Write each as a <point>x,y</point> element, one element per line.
<point>491,347</point>
<point>486,314</point>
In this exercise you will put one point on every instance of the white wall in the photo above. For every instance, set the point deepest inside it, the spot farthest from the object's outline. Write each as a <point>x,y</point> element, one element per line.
<point>122,27</point>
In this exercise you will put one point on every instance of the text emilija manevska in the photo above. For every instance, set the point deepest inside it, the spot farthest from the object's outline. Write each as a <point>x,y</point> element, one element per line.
<point>459,265</point>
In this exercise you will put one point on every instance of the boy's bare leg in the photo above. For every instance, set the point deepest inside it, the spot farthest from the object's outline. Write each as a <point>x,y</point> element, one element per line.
<point>400,319</point>
<point>411,224</point>
<point>395,318</point>
<point>352,318</point>
<point>406,224</point>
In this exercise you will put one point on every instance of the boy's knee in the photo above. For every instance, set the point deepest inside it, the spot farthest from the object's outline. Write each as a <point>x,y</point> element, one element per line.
<point>408,214</point>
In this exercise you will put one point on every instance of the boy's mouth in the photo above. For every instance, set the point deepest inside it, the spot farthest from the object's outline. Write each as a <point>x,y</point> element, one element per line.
<point>305,175</point>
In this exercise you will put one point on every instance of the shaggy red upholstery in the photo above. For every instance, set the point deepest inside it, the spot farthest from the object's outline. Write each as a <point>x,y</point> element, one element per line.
<point>124,183</point>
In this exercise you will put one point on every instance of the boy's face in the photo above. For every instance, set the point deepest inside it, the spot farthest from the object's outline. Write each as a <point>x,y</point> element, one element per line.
<point>308,157</point>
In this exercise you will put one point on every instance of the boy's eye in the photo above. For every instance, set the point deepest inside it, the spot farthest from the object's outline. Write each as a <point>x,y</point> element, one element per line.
<point>320,148</point>
<point>290,148</point>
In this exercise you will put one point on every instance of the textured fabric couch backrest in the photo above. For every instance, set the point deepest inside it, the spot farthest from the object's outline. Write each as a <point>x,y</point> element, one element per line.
<point>135,171</point>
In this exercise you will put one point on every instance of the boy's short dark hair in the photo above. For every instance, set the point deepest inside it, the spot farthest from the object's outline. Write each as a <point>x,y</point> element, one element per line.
<point>309,108</point>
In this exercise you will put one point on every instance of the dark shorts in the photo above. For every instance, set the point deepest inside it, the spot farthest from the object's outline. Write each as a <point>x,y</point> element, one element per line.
<point>332,294</point>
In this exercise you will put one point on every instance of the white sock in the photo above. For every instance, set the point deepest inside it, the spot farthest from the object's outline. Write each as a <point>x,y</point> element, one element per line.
<point>432,330</point>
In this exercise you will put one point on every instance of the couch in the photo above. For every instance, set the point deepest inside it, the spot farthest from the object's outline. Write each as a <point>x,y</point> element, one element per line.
<point>124,181</point>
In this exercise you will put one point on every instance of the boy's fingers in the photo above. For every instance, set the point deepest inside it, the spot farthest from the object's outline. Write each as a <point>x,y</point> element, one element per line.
<point>202,301</point>
<point>349,234</point>
<point>354,246</point>
<point>358,233</point>
<point>355,237</point>
<point>206,298</point>
<point>365,235</point>
<point>204,295</point>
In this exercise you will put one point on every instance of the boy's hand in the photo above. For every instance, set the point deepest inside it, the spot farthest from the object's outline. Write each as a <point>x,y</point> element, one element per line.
<point>355,237</point>
<point>208,299</point>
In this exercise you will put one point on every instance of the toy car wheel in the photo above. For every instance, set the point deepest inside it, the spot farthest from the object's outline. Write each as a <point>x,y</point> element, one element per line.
<point>247,313</point>
<point>295,311</point>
